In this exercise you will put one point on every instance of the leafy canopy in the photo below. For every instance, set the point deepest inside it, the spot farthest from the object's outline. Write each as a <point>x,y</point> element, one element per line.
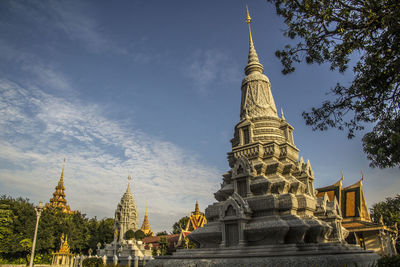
<point>336,32</point>
<point>390,212</point>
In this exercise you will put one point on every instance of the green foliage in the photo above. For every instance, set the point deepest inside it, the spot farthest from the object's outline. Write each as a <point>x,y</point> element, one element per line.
<point>390,212</point>
<point>92,262</point>
<point>176,228</point>
<point>129,234</point>
<point>17,223</point>
<point>337,32</point>
<point>161,233</point>
<point>389,261</point>
<point>139,235</point>
<point>164,245</point>
<point>388,209</point>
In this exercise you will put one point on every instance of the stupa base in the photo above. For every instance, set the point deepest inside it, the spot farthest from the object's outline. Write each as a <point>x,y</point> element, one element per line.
<point>321,255</point>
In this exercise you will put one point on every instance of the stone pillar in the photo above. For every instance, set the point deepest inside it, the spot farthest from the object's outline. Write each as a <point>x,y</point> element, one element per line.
<point>242,240</point>
<point>136,261</point>
<point>129,260</point>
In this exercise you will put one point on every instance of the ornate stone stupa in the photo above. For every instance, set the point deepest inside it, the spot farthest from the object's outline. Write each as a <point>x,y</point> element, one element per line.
<point>58,200</point>
<point>267,212</point>
<point>126,215</point>
<point>123,250</point>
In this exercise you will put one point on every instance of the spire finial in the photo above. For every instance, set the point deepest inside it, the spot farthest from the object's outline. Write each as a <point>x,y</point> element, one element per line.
<point>342,178</point>
<point>362,176</point>
<point>253,65</point>
<point>62,171</point>
<point>282,116</point>
<point>248,21</point>
<point>129,183</point>
<point>196,210</point>
<point>145,213</point>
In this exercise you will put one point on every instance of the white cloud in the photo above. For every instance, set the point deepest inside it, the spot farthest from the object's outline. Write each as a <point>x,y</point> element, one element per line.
<point>37,130</point>
<point>211,66</point>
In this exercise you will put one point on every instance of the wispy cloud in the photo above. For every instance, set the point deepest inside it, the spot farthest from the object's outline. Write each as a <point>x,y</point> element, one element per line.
<point>211,66</point>
<point>77,22</point>
<point>37,130</point>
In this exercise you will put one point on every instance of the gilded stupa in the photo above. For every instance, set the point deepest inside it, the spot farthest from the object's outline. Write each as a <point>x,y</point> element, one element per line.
<point>58,200</point>
<point>146,229</point>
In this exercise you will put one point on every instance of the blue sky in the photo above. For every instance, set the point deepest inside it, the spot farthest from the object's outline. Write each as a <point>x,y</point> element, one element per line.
<point>151,89</point>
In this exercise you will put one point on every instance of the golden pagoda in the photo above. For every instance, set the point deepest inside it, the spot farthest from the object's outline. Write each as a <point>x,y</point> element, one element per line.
<point>146,229</point>
<point>58,200</point>
<point>63,257</point>
<point>197,219</point>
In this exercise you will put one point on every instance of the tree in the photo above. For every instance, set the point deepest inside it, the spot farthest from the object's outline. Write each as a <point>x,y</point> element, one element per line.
<point>164,245</point>
<point>139,235</point>
<point>130,234</point>
<point>390,212</point>
<point>162,233</point>
<point>17,223</point>
<point>335,32</point>
<point>176,228</point>
<point>388,209</point>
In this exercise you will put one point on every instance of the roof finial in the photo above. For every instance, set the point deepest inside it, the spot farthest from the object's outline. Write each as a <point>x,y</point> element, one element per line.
<point>362,176</point>
<point>129,183</point>
<point>253,63</point>
<point>342,178</point>
<point>248,21</point>
<point>62,171</point>
<point>282,116</point>
<point>196,209</point>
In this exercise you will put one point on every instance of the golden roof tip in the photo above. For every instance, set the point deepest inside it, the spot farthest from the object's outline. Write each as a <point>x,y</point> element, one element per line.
<point>362,176</point>
<point>342,178</point>
<point>248,20</point>
<point>62,171</point>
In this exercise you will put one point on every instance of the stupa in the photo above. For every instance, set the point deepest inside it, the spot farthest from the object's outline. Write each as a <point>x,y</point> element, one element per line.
<point>267,212</point>
<point>146,229</point>
<point>121,249</point>
<point>58,200</point>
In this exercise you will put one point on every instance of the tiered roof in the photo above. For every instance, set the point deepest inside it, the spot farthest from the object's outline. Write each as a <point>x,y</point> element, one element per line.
<point>146,229</point>
<point>58,200</point>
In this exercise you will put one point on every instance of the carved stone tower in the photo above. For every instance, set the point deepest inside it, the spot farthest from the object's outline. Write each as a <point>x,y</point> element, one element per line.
<point>58,200</point>
<point>126,215</point>
<point>267,213</point>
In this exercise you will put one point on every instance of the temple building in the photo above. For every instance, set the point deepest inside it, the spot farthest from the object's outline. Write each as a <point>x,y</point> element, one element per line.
<point>58,200</point>
<point>357,220</point>
<point>126,215</point>
<point>146,229</point>
<point>123,249</point>
<point>267,212</point>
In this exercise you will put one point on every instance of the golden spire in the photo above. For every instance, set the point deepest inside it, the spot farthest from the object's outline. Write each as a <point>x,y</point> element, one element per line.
<point>196,209</point>
<point>146,229</point>
<point>253,64</point>
<point>62,172</point>
<point>58,200</point>
<point>248,21</point>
